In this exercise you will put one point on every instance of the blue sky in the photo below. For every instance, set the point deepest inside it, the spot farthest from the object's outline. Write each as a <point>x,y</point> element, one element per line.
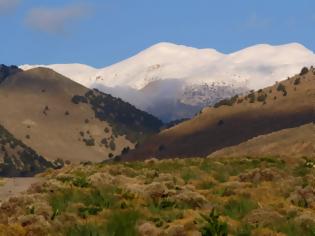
<point>102,32</point>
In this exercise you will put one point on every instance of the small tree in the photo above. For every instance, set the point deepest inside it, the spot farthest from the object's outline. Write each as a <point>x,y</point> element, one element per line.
<point>304,71</point>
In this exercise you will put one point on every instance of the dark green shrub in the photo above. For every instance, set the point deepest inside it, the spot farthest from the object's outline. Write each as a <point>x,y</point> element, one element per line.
<point>76,99</point>
<point>227,102</point>
<point>214,226</point>
<point>262,97</point>
<point>80,182</point>
<point>112,145</point>
<point>238,208</point>
<point>304,71</point>
<point>297,81</point>
<point>251,97</point>
<point>89,142</point>
<point>122,223</point>
<point>84,212</point>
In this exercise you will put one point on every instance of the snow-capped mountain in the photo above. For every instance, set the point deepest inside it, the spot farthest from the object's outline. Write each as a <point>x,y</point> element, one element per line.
<point>174,81</point>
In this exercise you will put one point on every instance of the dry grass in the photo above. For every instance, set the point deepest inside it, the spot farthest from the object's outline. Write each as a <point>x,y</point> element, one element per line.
<point>161,197</point>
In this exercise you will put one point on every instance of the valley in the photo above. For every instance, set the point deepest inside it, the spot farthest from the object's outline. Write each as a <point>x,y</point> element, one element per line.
<point>84,162</point>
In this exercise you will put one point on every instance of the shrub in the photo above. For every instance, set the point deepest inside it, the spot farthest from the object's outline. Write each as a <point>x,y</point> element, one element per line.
<point>262,97</point>
<point>80,182</point>
<point>214,226</point>
<point>76,99</point>
<point>112,145</point>
<point>251,97</point>
<point>125,150</point>
<point>304,71</point>
<point>280,87</point>
<point>84,212</point>
<point>238,208</point>
<point>85,230</point>
<point>297,81</point>
<point>122,223</point>
<point>227,102</point>
<point>103,198</point>
<point>220,123</point>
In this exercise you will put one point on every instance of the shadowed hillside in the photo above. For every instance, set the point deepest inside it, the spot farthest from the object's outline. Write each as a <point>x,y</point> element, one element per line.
<point>16,159</point>
<point>288,104</point>
<point>39,107</point>
<point>6,71</point>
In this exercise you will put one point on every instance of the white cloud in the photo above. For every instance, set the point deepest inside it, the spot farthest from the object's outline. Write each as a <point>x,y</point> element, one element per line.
<point>55,20</point>
<point>8,5</point>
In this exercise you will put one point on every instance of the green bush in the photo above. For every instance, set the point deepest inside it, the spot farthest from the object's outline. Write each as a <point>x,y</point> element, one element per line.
<point>238,208</point>
<point>214,227</point>
<point>84,212</point>
<point>80,182</point>
<point>122,223</point>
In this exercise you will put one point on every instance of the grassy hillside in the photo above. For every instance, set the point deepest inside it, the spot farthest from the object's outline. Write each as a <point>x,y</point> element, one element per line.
<point>39,107</point>
<point>288,104</point>
<point>239,196</point>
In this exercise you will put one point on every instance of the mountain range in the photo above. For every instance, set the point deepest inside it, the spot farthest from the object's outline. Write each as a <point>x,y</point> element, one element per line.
<point>174,82</point>
<point>228,125</point>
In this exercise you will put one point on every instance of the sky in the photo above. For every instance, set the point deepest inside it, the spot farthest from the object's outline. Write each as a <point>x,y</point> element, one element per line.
<point>102,32</point>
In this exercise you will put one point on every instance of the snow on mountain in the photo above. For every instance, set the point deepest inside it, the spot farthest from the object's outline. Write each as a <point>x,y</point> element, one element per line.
<point>82,74</point>
<point>204,76</point>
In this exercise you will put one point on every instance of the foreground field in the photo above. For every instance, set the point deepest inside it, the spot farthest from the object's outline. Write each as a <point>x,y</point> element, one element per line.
<point>238,196</point>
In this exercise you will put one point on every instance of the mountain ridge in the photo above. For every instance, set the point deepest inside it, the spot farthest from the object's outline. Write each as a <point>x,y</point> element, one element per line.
<point>192,68</point>
<point>287,104</point>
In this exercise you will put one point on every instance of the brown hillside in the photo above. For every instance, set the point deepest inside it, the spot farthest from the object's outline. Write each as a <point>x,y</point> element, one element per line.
<point>288,104</point>
<point>292,142</point>
<point>37,107</point>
